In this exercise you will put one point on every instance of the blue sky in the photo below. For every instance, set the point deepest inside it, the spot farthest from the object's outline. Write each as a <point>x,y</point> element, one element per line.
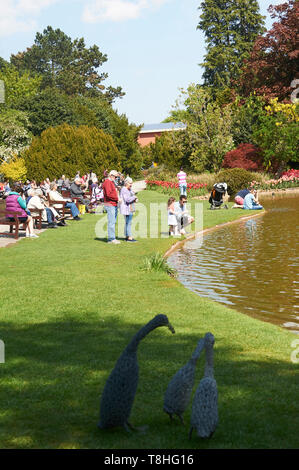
<point>153,46</point>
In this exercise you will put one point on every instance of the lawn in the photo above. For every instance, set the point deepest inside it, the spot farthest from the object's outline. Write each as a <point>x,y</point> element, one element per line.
<point>70,303</point>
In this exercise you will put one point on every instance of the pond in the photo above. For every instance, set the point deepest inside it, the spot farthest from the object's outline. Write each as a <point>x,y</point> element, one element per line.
<point>251,266</point>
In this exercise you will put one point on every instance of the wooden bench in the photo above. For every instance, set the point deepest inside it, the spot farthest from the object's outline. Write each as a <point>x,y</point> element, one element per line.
<point>67,195</point>
<point>11,223</point>
<point>60,207</point>
<point>36,215</point>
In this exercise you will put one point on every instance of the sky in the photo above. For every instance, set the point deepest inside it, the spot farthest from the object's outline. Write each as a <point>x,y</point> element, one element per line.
<point>153,46</point>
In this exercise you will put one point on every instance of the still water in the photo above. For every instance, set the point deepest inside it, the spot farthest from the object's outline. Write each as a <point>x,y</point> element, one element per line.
<point>251,266</point>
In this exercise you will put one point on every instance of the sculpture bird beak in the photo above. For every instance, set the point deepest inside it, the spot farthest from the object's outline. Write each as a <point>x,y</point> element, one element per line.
<point>169,325</point>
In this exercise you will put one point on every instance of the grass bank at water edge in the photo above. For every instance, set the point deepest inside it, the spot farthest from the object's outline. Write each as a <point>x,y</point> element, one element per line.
<point>70,304</point>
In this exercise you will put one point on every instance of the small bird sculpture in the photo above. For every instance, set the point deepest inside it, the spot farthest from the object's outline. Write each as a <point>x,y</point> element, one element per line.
<point>204,414</point>
<point>178,392</point>
<point>120,389</point>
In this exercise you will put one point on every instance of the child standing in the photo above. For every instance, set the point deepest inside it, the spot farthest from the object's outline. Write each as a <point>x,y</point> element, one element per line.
<point>172,220</point>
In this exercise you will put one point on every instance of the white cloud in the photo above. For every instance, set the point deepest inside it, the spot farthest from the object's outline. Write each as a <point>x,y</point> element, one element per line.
<point>117,10</point>
<point>20,15</point>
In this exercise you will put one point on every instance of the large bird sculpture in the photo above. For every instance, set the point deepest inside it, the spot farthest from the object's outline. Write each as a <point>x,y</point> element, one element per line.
<point>119,391</point>
<point>178,392</point>
<point>204,414</point>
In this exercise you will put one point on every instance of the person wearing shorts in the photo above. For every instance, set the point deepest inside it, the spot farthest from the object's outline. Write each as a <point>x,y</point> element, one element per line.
<point>239,199</point>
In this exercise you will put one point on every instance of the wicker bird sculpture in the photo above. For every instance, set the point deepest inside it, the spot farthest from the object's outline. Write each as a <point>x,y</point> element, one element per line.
<point>178,392</point>
<point>204,414</point>
<point>119,391</point>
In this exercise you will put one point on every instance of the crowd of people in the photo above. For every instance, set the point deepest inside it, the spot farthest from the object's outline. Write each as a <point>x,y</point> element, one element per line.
<point>113,192</point>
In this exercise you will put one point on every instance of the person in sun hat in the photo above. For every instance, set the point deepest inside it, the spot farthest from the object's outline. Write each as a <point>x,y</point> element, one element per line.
<point>111,204</point>
<point>127,207</point>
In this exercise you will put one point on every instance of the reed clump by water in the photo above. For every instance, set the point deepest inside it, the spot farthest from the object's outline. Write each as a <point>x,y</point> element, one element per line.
<point>157,262</point>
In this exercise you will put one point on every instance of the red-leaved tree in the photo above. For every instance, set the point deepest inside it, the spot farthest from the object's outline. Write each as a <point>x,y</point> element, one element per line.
<point>273,63</point>
<point>246,156</point>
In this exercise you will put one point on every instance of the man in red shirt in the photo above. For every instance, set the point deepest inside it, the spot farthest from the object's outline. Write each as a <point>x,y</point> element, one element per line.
<point>110,203</point>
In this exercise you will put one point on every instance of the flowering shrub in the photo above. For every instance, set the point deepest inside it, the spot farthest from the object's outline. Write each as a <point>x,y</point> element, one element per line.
<point>14,170</point>
<point>172,189</point>
<point>246,156</point>
<point>277,133</point>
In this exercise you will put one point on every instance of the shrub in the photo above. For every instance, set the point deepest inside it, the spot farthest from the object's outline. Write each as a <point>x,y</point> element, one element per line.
<point>161,173</point>
<point>235,178</point>
<point>278,134</point>
<point>65,150</point>
<point>14,170</point>
<point>246,156</point>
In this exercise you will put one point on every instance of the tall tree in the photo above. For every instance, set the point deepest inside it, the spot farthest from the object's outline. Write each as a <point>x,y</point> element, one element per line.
<point>18,86</point>
<point>66,64</point>
<point>273,63</point>
<point>230,28</point>
<point>15,136</point>
<point>208,135</point>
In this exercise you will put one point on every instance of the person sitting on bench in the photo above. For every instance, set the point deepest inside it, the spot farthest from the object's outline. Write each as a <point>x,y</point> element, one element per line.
<point>16,203</point>
<point>54,195</point>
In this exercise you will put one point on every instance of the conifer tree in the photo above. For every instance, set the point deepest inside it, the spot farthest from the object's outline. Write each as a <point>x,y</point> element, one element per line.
<point>66,64</point>
<point>230,28</point>
<point>66,149</point>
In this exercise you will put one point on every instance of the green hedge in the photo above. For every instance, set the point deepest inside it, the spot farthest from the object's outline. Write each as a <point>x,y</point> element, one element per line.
<point>66,149</point>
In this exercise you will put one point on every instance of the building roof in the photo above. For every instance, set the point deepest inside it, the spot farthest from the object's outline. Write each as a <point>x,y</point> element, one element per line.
<point>163,127</point>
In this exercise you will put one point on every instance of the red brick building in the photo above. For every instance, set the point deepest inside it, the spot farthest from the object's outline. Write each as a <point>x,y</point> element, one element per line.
<point>149,132</point>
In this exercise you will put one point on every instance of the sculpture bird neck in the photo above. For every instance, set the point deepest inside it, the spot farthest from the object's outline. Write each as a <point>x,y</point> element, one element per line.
<point>196,354</point>
<point>209,366</point>
<point>142,333</point>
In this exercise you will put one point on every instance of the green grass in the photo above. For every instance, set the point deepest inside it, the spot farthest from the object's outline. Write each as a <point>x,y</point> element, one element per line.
<point>70,303</point>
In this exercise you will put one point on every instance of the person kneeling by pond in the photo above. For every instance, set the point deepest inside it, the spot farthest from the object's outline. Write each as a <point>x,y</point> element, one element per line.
<point>239,198</point>
<point>183,218</point>
<point>251,201</point>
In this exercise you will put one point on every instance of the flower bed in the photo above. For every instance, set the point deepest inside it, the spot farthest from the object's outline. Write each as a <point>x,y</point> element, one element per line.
<point>172,189</point>
<point>291,174</point>
<point>289,179</point>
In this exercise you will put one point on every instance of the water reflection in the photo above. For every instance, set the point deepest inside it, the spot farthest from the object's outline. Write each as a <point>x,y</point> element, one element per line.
<point>252,266</point>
